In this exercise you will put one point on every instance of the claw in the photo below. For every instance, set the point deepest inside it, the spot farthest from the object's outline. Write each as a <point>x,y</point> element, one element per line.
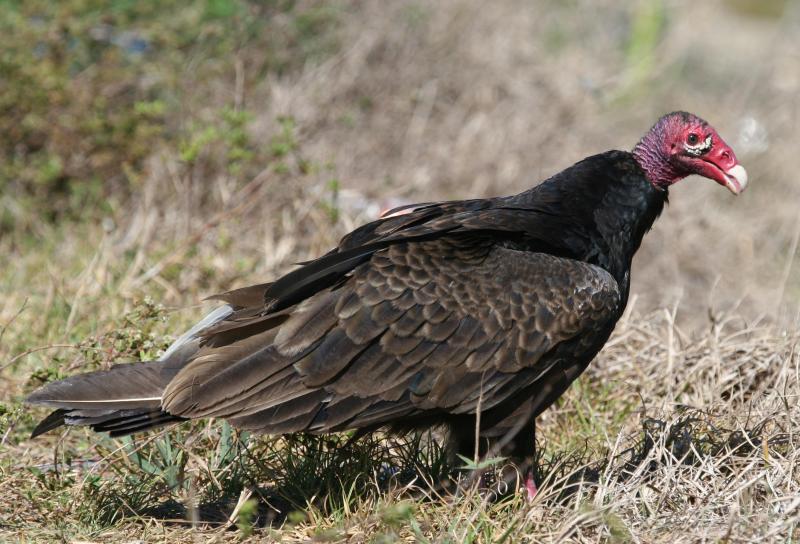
<point>530,487</point>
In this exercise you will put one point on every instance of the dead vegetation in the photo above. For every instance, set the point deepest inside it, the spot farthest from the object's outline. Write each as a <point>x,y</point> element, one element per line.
<point>683,430</point>
<point>670,439</point>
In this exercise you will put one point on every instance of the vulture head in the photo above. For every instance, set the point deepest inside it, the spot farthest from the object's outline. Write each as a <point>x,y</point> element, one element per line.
<point>681,144</point>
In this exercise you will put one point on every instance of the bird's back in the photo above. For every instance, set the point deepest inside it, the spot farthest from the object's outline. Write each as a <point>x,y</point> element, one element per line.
<point>430,314</point>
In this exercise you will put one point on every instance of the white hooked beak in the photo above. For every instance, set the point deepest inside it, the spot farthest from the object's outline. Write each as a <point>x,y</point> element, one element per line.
<point>736,179</point>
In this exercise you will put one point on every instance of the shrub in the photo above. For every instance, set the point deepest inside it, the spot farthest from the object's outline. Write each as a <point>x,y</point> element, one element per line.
<point>90,89</point>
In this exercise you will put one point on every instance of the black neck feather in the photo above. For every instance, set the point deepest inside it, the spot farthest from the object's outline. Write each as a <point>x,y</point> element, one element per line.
<point>597,211</point>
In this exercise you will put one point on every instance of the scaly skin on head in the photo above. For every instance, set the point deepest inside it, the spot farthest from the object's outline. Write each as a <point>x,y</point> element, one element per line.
<point>681,144</point>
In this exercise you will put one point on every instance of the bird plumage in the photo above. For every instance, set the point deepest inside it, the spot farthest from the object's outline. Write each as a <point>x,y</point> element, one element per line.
<point>422,317</point>
<point>413,316</point>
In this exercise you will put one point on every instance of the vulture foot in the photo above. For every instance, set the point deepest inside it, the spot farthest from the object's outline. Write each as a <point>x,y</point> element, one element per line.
<point>494,485</point>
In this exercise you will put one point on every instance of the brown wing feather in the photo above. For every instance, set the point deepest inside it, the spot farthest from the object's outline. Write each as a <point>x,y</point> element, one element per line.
<point>421,327</point>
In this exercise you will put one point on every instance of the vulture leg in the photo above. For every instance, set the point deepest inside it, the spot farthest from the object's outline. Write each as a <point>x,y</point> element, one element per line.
<point>530,480</point>
<point>525,459</point>
<point>521,454</point>
<point>517,446</point>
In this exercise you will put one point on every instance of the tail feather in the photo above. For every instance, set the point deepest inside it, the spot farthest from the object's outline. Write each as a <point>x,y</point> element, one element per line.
<point>124,425</point>
<point>125,398</point>
<point>115,422</point>
<point>131,385</point>
<point>53,421</point>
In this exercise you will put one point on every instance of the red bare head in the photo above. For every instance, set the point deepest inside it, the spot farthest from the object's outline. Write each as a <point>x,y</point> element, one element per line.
<point>681,144</point>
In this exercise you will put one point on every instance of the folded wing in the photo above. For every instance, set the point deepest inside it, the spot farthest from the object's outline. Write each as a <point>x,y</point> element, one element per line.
<point>420,328</point>
<point>432,311</point>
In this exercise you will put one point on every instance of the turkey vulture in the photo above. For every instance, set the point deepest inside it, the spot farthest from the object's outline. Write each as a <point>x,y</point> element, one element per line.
<point>426,316</point>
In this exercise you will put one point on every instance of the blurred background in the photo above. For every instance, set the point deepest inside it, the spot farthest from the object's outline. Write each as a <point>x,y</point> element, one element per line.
<point>172,149</point>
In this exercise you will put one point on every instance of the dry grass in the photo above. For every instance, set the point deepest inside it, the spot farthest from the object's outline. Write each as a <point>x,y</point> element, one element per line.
<point>682,431</point>
<point>669,439</point>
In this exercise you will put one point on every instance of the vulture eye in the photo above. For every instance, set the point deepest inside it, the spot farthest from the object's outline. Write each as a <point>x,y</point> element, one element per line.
<point>692,139</point>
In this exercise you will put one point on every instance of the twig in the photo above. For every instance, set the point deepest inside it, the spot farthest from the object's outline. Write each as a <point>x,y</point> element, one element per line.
<point>87,275</point>
<point>478,422</point>
<point>13,318</point>
<point>34,350</point>
<point>789,262</point>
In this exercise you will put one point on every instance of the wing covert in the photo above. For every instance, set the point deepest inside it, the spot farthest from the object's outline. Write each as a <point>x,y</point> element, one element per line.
<point>425,326</point>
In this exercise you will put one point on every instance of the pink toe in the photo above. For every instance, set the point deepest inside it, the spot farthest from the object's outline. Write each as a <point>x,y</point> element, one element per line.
<point>530,487</point>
